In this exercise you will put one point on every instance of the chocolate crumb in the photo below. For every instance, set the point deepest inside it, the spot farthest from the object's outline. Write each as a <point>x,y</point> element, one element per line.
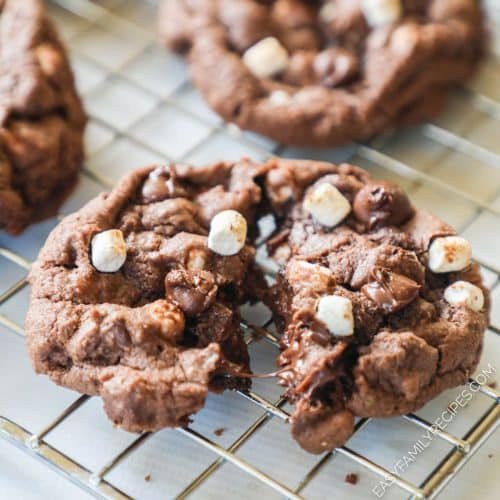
<point>492,385</point>
<point>147,478</point>
<point>351,478</point>
<point>490,455</point>
<point>220,431</point>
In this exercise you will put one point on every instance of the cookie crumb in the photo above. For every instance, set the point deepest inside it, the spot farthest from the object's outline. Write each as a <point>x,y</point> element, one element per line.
<point>351,478</point>
<point>493,385</point>
<point>220,431</point>
<point>147,478</point>
<point>490,455</point>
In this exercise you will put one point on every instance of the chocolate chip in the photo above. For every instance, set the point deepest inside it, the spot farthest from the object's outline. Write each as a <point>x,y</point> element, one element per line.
<point>382,204</point>
<point>391,291</point>
<point>193,291</point>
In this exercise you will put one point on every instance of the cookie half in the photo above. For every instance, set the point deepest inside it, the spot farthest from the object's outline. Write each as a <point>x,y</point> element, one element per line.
<point>325,72</point>
<point>41,117</point>
<point>130,303</point>
<point>380,303</point>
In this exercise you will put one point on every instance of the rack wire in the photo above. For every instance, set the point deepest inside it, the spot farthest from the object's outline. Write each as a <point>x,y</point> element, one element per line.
<point>80,17</point>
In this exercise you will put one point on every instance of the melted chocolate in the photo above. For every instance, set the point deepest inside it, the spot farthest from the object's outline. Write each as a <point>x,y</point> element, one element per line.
<point>390,290</point>
<point>382,204</point>
<point>193,291</point>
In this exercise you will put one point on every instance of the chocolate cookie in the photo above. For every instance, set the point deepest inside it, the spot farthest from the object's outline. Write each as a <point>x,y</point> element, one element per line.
<point>380,304</point>
<point>41,117</point>
<point>129,302</point>
<point>136,297</point>
<point>325,72</point>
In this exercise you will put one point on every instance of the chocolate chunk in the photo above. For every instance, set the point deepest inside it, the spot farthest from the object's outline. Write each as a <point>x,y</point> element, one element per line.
<point>193,291</point>
<point>391,291</point>
<point>382,204</point>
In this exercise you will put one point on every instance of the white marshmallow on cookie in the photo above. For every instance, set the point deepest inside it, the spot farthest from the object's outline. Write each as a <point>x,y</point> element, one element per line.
<point>327,205</point>
<point>328,12</point>
<point>279,98</point>
<point>108,251</point>
<point>449,253</point>
<point>336,313</point>
<point>228,233</point>
<point>266,58</point>
<point>463,293</point>
<point>381,12</point>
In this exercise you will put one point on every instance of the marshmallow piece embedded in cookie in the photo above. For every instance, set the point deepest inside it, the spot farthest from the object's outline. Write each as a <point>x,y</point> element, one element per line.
<point>336,313</point>
<point>228,232</point>
<point>381,12</point>
<point>463,293</point>
<point>328,12</point>
<point>266,58</point>
<point>327,205</point>
<point>449,253</point>
<point>108,251</point>
<point>279,98</point>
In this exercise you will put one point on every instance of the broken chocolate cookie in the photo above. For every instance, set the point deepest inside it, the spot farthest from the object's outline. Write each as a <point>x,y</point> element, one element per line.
<point>136,297</point>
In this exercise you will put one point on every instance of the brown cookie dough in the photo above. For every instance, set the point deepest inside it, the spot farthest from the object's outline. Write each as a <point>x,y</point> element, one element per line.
<point>325,72</point>
<point>410,337</point>
<point>136,297</point>
<point>154,331</point>
<point>41,117</point>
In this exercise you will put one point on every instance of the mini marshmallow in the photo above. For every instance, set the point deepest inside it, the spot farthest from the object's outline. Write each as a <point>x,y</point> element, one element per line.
<point>449,253</point>
<point>328,12</point>
<point>336,313</point>
<point>463,293</point>
<point>266,58</point>
<point>108,251</point>
<point>327,205</point>
<point>228,232</point>
<point>279,98</point>
<point>381,12</point>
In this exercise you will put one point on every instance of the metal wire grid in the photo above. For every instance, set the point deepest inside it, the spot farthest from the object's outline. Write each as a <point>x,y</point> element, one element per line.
<point>95,482</point>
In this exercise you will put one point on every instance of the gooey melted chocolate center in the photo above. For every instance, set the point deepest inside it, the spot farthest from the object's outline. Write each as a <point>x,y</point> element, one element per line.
<point>390,290</point>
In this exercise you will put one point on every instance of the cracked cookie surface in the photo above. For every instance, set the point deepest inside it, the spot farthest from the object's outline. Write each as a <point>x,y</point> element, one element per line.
<point>325,72</point>
<point>41,117</point>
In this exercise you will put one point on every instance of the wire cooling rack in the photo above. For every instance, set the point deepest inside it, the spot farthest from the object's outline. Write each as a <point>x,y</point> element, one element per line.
<point>143,110</point>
